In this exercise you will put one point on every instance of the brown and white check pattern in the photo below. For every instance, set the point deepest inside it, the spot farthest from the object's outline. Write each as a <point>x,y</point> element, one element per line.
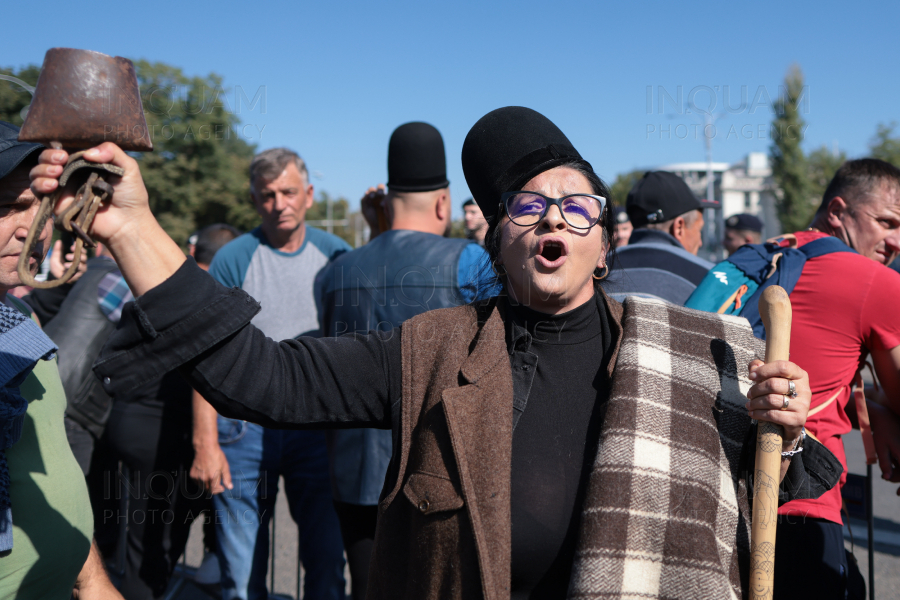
<point>662,516</point>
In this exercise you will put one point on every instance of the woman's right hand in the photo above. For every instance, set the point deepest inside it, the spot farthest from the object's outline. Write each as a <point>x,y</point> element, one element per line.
<point>145,253</point>
<point>129,209</point>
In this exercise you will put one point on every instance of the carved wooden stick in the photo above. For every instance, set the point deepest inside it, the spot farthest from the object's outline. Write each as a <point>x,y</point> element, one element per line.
<point>775,310</point>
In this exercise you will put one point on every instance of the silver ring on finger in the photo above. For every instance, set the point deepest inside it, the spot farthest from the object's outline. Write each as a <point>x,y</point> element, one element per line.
<point>787,402</point>
<point>792,390</point>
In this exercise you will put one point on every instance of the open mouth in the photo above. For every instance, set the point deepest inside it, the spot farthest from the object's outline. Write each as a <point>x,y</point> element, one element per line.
<point>552,252</point>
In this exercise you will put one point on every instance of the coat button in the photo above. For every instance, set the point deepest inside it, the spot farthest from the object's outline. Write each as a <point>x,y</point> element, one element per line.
<point>423,505</point>
<point>107,381</point>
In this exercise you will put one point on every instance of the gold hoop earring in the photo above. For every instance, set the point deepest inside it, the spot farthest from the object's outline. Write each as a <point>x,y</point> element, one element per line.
<point>603,276</point>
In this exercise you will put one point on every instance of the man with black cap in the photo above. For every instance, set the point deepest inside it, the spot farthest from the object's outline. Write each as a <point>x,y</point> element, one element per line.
<point>410,269</point>
<point>46,524</point>
<point>741,229</point>
<point>661,259</point>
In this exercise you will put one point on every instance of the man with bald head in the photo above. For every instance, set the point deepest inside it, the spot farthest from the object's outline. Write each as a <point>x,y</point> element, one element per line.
<point>405,271</point>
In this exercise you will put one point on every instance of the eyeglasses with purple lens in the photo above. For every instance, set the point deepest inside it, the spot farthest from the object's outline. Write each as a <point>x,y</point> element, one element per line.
<point>581,211</point>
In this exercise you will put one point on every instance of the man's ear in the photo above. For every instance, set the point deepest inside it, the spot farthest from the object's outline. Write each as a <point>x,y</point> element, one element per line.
<point>837,207</point>
<point>310,196</point>
<point>442,206</point>
<point>677,229</point>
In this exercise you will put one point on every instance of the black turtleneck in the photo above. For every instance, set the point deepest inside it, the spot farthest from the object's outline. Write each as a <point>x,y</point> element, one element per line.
<point>554,441</point>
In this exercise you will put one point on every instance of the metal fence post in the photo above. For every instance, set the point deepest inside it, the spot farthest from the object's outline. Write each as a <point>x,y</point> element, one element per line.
<point>871,531</point>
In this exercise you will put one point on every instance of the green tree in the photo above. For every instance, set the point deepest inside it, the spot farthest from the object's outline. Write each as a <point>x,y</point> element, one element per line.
<point>458,229</point>
<point>13,97</point>
<point>794,202</point>
<point>822,164</point>
<point>622,185</point>
<point>317,216</point>
<point>885,145</point>
<point>197,172</point>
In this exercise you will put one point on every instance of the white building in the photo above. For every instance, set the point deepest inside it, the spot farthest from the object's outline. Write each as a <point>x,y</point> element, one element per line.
<point>743,187</point>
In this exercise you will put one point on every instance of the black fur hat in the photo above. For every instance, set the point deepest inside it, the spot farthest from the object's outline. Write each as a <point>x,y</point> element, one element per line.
<point>508,147</point>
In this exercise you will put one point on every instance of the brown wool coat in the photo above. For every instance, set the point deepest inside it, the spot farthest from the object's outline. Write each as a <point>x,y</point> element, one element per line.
<point>444,529</point>
<point>666,513</point>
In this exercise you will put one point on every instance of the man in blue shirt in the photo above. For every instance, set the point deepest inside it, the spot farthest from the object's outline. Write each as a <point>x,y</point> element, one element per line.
<point>277,264</point>
<point>660,259</point>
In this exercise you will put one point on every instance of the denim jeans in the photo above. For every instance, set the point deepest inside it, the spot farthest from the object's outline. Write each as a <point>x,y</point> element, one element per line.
<point>257,457</point>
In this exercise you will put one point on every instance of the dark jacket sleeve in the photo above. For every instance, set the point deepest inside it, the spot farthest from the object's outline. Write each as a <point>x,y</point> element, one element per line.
<point>810,473</point>
<point>192,323</point>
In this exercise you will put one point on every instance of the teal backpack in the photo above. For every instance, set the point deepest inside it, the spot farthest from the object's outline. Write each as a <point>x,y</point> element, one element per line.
<point>734,286</point>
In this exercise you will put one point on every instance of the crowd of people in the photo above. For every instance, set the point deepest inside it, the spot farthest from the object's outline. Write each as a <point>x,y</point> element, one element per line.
<point>536,411</point>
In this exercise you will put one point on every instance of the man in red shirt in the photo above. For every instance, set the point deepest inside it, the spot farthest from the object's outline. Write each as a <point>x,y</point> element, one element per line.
<point>844,309</point>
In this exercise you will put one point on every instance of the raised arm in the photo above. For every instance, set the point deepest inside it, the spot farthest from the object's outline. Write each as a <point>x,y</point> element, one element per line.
<point>192,323</point>
<point>182,319</point>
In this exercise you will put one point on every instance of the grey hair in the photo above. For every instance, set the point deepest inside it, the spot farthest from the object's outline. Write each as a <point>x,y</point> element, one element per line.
<point>689,218</point>
<point>269,164</point>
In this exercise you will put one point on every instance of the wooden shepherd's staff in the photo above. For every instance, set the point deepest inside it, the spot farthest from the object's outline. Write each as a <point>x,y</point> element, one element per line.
<point>775,310</point>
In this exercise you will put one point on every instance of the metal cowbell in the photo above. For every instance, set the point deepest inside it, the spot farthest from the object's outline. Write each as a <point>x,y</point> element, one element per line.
<point>84,98</point>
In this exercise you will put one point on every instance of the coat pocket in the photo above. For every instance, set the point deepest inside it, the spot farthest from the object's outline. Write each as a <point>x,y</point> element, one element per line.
<point>432,493</point>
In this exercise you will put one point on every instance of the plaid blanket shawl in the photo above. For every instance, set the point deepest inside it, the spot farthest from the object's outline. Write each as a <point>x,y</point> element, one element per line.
<point>665,514</point>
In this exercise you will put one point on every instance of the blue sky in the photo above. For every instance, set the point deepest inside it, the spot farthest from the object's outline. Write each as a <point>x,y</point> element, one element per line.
<point>338,77</point>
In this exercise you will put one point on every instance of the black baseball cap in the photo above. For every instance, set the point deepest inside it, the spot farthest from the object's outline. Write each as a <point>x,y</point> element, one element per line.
<point>12,151</point>
<point>416,159</point>
<point>660,196</point>
<point>621,216</point>
<point>744,222</point>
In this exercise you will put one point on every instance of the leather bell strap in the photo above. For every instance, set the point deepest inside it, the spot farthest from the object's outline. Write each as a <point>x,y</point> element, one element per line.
<point>862,417</point>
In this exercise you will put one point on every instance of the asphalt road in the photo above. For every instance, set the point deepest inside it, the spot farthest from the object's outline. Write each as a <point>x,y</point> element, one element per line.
<point>283,583</point>
<point>887,539</point>
<point>886,505</point>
